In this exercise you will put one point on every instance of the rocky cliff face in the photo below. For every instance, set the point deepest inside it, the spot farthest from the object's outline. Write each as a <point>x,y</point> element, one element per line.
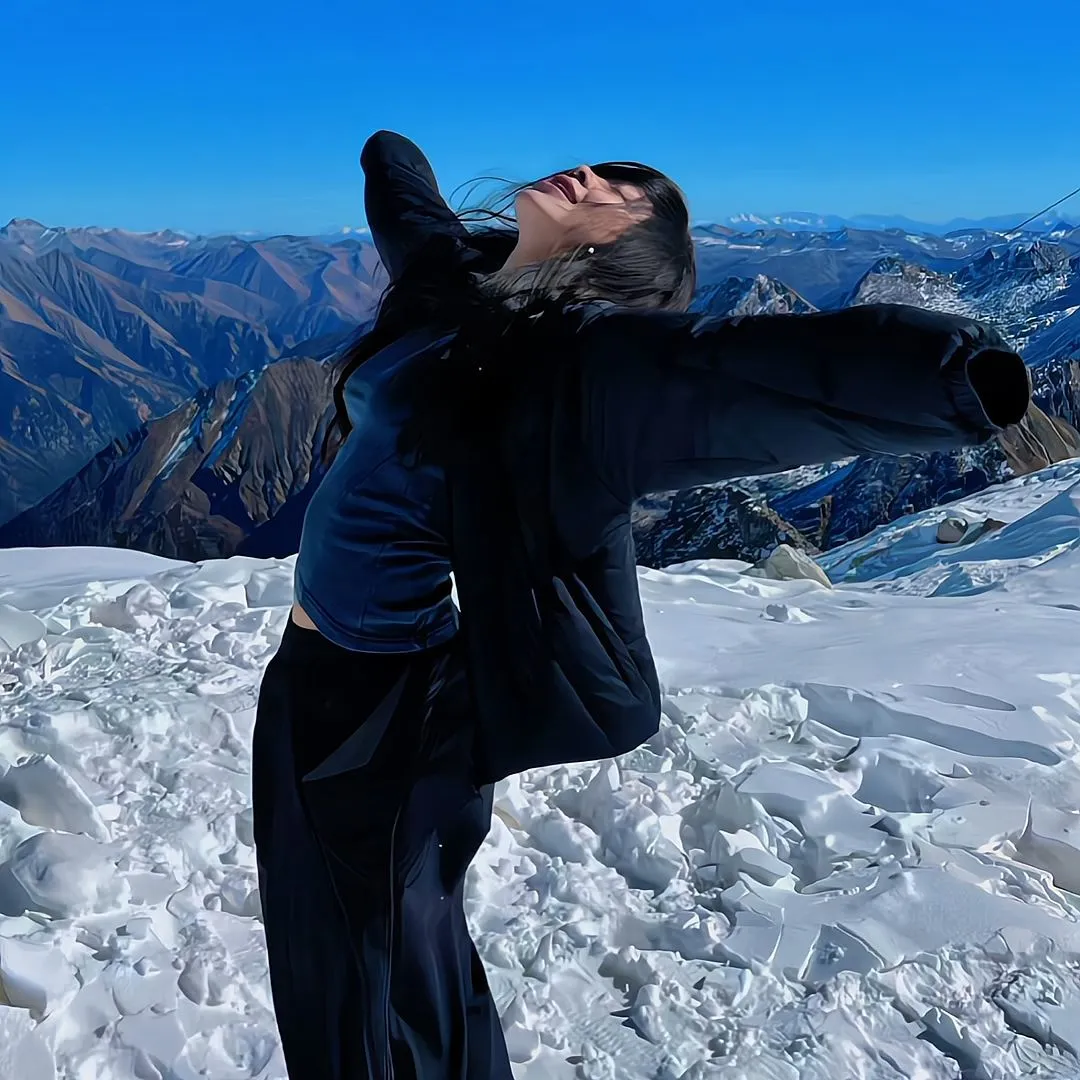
<point>1039,441</point>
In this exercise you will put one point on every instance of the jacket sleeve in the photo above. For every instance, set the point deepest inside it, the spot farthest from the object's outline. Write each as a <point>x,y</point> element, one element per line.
<point>402,203</point>
<point>671,401</point>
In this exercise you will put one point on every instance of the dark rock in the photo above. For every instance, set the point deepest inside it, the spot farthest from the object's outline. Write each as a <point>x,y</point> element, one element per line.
<point>951,530</point>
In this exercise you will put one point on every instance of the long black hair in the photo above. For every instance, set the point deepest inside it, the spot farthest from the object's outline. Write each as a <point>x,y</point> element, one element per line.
<point>649,265</point>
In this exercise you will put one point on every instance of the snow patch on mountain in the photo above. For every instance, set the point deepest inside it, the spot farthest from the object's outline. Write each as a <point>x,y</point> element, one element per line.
<point>1023,288</point>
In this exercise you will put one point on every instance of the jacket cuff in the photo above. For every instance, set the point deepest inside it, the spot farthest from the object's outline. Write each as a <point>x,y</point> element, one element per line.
<point>991,388</point>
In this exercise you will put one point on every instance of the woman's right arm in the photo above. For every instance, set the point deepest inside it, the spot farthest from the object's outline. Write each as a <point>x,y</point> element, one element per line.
<point>402,203</point>
<point>671,401</point>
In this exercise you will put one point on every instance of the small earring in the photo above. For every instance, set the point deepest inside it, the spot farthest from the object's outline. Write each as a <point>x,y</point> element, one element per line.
<point>590,250</point>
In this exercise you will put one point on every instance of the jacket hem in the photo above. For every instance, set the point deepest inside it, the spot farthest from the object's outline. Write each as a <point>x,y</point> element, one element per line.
<point>414,642</point>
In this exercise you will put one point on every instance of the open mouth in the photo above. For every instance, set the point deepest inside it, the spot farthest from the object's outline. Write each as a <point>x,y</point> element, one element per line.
<point>562,184</point>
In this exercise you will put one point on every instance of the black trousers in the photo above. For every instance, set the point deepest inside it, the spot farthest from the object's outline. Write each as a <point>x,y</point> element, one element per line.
<point>366,820</point>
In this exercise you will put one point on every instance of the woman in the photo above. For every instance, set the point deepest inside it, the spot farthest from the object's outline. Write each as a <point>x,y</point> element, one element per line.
<point>519,389</point>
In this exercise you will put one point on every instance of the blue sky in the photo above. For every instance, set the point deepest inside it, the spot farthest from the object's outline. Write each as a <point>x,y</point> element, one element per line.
<point>236,114</point>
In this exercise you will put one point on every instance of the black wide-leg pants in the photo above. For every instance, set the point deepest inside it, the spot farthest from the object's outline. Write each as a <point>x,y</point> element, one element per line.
<point>366,820</point>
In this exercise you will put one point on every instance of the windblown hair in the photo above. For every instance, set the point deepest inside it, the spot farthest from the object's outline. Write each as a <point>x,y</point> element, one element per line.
<point>649,266</point>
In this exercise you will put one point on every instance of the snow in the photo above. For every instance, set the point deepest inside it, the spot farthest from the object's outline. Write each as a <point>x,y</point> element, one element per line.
<point>853,849</point>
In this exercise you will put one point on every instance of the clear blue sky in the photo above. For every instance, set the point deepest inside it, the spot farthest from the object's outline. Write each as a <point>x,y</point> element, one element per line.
<point>236,114</point>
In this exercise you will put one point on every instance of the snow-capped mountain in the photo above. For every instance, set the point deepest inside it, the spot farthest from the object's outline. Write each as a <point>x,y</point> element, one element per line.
<point>825,267</point>
<point>345,232</point>
<point>794,221</point>
<point>1028,289</point>
<point>753,296</point>
<point>893,281</point>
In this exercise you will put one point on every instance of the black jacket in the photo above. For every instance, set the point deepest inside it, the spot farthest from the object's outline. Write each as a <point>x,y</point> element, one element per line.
<point>639,402</point>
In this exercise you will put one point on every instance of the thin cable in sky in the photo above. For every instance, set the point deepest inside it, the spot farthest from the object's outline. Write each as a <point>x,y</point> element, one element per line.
<point>1046,209</point>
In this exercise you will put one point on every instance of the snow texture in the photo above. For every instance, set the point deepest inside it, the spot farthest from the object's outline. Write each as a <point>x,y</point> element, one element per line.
<point>853,849</point>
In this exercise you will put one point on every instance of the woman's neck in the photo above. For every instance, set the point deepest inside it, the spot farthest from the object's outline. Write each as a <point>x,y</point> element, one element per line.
<point>524,256</point>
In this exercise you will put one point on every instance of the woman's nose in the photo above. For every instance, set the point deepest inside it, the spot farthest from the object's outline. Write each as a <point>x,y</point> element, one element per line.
<point>583,175</point>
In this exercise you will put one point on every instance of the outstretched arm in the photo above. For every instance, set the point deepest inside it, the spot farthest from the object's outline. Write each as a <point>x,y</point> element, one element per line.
<point>402,202</point>
<point>670,401</point>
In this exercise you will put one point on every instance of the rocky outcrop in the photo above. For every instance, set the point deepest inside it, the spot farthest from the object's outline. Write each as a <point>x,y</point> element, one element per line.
<point>957,530</point>
<point>1038,441</point>
<point>790,564</point>
<point>1028,290</point>
<point>893,281</point>
<point>951,530</point>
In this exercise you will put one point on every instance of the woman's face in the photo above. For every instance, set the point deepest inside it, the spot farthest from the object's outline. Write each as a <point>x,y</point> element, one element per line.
<point>573,209</point>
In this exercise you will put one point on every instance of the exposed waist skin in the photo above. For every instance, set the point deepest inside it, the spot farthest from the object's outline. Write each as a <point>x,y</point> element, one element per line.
<point>299,617</point>
<point>303,619</point>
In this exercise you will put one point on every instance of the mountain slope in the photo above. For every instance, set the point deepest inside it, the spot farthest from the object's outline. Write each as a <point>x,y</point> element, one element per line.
<point>197,482</point>
<point>1025,289</point>
<point>1047,224</point>
<point>102,330</point>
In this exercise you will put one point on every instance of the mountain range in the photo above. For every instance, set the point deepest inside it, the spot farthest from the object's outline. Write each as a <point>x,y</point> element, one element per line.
<point>170,393</point>
<point>794,221</point>
<point>104,330</point>
<point>1049,224</point>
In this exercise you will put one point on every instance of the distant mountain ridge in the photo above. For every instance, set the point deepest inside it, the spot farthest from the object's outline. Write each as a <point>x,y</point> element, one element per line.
<point>788,221</point>
<point>170,393</point>
<point>795,221</point>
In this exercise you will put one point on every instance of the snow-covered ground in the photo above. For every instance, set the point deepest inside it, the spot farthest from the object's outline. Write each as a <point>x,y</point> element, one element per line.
<point>852,851</point>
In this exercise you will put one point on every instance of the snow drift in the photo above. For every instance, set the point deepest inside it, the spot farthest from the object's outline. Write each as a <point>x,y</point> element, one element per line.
<point>853,848</point>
